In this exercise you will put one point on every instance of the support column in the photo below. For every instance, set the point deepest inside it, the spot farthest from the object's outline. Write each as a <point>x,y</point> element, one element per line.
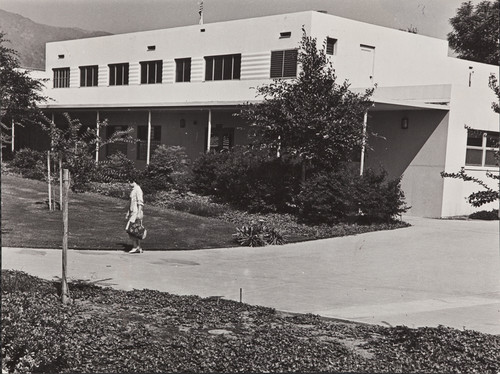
<point>209,132</point>
<point>12,136</point>
<point>363,145</point>
<point>148,154</point>
<point>97,135</point>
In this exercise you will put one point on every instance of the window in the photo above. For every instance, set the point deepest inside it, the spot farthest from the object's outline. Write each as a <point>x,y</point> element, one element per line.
<point>284,64</point>
<point>285,35</point>
<point>112,148</point>
<point>118,74</point>
<point>61,77</point>
<point>221,139</point>
<point>224,67</point>
<point>88,76</point>
<point>481,148</point>
<point>142,140</point>
<point>331,46</point>
<point>151,72</point>
<point>183,70</point>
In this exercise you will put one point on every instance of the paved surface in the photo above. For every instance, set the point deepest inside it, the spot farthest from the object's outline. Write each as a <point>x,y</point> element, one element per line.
<point>435,272</point>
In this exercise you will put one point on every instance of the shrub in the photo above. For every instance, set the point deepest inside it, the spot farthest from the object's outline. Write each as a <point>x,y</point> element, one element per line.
<point>116,168</point>
<point>247,178</point>
<point>485,215</point>
<point>82,168</point>
<point>343,195</point>
<point>113,189</point>
<point>188,202</point>
<point>30,163</point>
<point>258,235</point>
<point>168,169</point>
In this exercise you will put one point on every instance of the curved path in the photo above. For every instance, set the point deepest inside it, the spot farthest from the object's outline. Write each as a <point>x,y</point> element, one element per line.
<point>435,272</point>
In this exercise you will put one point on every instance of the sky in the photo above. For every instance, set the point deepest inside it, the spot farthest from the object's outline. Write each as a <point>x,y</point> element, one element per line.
<point>429,17</point>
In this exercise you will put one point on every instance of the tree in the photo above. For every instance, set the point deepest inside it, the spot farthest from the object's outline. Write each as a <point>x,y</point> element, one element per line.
<point>19,92</point>
<point>475,32</point>
<point>311,117</point>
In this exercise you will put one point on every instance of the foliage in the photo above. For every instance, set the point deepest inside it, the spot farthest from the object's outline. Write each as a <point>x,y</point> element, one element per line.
<point>188,202</point>
<point>169,168</point>
<point>343,195</point>
<point>19,93</point>
<point>30,163</point>
<point>311,118</point>
<point>258,235</point>
<point>106,330</point>
<point>76,144</point>
<point>485,215</point>
<point>247,177</point>
<point>475,31</point>
<point>116,168</point>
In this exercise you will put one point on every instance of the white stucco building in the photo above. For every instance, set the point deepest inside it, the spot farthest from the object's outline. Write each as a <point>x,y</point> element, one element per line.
<point>183,85</point>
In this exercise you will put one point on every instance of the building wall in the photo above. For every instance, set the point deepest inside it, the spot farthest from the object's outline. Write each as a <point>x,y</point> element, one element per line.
<point>471,107</point>
<point>417,154</point>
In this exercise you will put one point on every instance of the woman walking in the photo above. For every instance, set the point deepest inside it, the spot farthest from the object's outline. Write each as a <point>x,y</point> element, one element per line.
<point>135,214</point>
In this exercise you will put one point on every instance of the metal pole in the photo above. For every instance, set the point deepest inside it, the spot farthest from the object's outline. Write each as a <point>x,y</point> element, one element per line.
<point>363,145</point>
<point>148,154</point>
<point>64,284</point>
<point>209,132</point>
<point>49,180</point>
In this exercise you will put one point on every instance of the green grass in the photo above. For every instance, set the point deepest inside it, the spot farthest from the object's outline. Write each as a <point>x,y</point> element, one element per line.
<point>98,222</point>
<point>110,331</point>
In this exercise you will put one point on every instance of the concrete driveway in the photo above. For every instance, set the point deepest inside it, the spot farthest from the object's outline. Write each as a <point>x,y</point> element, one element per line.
<point>435,272</point>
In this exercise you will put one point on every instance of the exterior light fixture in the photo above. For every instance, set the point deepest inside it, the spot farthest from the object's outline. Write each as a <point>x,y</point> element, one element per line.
<point>404,123</point>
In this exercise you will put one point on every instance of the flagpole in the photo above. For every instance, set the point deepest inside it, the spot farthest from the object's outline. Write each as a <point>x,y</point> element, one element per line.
<point>200,12</point>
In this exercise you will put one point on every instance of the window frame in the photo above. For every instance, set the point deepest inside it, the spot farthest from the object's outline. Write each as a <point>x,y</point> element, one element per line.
<point>183,66</point>
<point>61,77</point>
<point>484,148</point>
<point>94,76</point>
<point>151,71</point>
<point>333,46</point>
<point>216,67</point>
<point>124,76</point>
<point>279,57</point>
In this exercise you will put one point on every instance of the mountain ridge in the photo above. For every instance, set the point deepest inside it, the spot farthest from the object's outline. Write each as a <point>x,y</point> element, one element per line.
<point>28,38</point>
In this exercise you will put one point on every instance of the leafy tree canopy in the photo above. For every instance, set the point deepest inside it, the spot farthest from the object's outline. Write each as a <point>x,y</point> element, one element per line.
<point>475,34</point>
<point>311,117</point>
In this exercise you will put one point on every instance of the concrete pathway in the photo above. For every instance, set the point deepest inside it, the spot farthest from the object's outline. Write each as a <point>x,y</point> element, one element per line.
<point>435,272</point>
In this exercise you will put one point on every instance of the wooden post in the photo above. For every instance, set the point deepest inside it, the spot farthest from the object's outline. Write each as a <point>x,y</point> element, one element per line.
<point>64,282</point>
<point>49,180</point>
<point>209,131</point>
<point>60,183</point>
<point>13,136</point>
<point>363,145</point>
<point>97,142</point>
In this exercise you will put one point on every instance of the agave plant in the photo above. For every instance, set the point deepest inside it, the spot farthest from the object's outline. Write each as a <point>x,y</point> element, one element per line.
<point>257,235</point>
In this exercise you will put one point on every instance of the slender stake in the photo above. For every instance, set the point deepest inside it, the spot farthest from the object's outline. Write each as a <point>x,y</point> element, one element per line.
<point>60,183</point>
<point>64,284</point>
<point>50,180</point>
<point>241,295</point>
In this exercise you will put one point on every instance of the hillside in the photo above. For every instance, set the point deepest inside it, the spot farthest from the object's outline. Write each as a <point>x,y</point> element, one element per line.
<point>28,38</point>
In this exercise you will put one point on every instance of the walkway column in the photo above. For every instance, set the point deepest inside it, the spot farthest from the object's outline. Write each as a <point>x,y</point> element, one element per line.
<point>363,144</point>
<point>97,142</point>
<point>149,138</point>
<point>209,132</point>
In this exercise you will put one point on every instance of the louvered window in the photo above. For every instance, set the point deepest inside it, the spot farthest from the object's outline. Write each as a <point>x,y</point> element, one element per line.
<point>61,77</point>
<point>88,76</point>
<point>151,72</point>
<point>224,67</point>
<point>284,63</point>
<point>183,70</point>
<point>118,74</point>
<point>331,46</point>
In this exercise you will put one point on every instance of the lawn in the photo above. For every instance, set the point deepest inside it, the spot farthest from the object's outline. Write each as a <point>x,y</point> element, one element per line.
<point>98,222</point>
<point>110,331</point>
